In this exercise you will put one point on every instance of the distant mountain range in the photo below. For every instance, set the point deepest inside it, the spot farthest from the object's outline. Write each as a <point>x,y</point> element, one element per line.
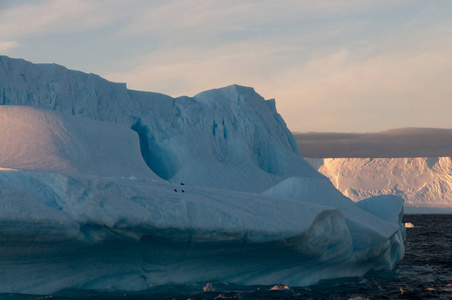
<point>402,142</point>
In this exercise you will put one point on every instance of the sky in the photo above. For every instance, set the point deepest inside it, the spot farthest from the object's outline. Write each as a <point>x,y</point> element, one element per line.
<point>332,66</point>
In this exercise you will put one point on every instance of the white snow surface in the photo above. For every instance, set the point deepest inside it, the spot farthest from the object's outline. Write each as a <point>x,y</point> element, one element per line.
<point>87,203</point>
<point>425,183</point>
<point>43,140</point>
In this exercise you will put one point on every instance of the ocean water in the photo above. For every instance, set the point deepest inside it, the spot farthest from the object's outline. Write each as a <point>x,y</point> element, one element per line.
<point>424,273</point>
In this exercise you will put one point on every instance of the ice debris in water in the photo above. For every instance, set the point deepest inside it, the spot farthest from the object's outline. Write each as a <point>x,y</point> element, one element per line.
<point>279,287</point>
<point>408,225</point>
<point>208,288</point>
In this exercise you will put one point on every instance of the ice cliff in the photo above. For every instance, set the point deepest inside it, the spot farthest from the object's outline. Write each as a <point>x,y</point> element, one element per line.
<point>424,182</point>
<point>90,193</point>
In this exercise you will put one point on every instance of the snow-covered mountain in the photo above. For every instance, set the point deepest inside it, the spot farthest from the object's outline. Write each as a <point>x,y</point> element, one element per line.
<point>424,182</point>
<point>91,194</point>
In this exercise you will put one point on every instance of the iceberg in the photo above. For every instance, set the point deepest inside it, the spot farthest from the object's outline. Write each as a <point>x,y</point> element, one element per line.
<point>106,188</point>
<point>425,183</point>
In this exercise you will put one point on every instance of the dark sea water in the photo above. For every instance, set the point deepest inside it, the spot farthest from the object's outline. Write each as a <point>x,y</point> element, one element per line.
<point>424,273</point>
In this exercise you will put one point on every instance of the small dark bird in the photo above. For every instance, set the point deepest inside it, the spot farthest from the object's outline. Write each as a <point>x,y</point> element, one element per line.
<point>182,183</point>
<point>175,190</point>
<point>183,191</point>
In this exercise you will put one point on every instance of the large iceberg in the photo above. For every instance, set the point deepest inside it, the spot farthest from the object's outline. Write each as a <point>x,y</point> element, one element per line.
<point>91,194</point>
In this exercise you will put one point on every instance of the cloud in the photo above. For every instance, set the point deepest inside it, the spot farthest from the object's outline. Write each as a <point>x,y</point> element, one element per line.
<point>405,142</point>
<point>319,60</point>
<point>334,91</point>
<point>190,70</point>
<point>342,65</point>
<point>8,45</point>
<point>53,16</point>
<point>216,16</point>
<point>341,92</point>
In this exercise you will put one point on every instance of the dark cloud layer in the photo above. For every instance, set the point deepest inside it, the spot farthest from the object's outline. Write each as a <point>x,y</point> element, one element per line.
<point>405,142</point>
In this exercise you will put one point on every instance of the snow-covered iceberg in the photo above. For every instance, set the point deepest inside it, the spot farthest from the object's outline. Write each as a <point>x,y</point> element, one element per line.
<point>91,194</point>
<point>425,183</point>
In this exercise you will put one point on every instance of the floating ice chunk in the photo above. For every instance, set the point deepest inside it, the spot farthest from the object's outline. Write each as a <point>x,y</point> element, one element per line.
<point>408,225</point>
<point>279,287</point>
